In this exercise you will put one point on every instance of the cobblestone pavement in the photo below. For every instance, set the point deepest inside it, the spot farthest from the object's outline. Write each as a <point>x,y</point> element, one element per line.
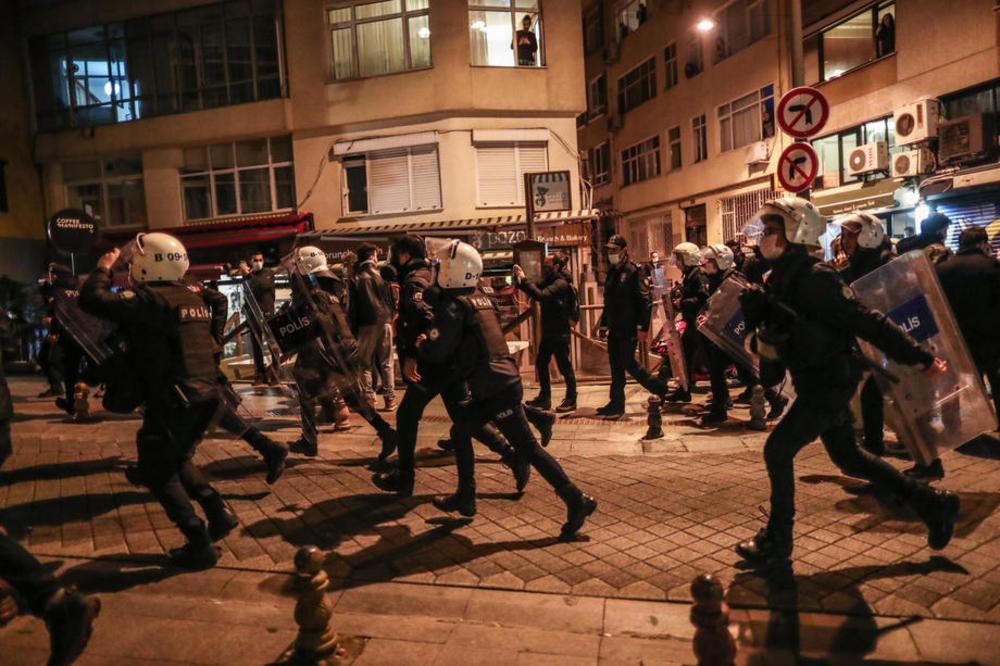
<point>668,510</point>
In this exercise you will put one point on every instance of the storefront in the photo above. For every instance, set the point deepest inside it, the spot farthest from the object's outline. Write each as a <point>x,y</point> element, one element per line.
<point>969,197</point>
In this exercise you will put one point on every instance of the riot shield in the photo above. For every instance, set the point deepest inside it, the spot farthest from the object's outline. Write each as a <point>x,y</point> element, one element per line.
<point>89,332</point>
<point>675,349</point>
<point>938,412</point>
<point>723,324</point>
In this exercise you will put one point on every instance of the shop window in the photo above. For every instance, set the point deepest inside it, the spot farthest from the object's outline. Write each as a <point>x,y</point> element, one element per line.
<point>851,43</point>
<point>641,161</point>
<point>670,60</point>
<point>199,58</point>
<point>500,172</point>
<point>251,176</point>
<point>506,33</point>
<point>600,163</point>
<point>674,146</point>
<point>399,180</point>
<point>747,119</point>
<point>375,38</point>
<point>637,86</point>
<point>110,190</point>
<point>700,135</point>
<point>739,25</point>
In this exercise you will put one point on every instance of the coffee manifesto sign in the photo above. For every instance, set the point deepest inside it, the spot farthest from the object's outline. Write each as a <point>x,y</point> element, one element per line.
<point>72,231</point>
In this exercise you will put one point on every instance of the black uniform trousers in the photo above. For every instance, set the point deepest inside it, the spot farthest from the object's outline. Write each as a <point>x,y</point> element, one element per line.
<point>750,380</point>
<point>6,447</point>
<point>558,346</point>
<point>411,408</point>
<point>51,361</point>
<point>872,414</point>
<point>171,429</point>
<point>503,409</point>
<point>621,357</point>
<point>718,361</point>
<point>825,414</point>
<point>33,583</point>
<point>71,355</point>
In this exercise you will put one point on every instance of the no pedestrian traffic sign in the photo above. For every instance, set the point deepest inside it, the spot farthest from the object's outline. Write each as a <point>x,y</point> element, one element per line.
<point>797,167</point>
<point>803,112</point>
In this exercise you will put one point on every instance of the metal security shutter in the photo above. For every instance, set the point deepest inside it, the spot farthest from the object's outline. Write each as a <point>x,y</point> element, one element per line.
<point>530,159</point>
<point>496,176</point>
<point>970,210</point>
<point>389,181</point>
<point>426,178</point>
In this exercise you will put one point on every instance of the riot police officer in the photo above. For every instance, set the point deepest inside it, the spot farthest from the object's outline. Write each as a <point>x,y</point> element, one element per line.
<point>424,381</point>
<point>465,336</point>
<point>807,321</point>
<point>625,321</point>
<point>169,328</point>
<point>65,352</point>
<point>694,291</point>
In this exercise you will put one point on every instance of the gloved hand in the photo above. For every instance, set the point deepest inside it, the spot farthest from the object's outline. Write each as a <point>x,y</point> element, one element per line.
<point>517,273</point>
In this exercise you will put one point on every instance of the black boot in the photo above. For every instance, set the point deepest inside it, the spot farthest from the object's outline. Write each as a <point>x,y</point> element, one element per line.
<point>938,509</point>
<point>543,401</point>
<point>744,397</point>
<point>567,405</point>
<point>713,418</point>
<point>543,421</point>
<point>446,445</point>
<point>931,472</point>
<point>578,507</point>
<point>389,442</point>
<point>395,481</point>
<point>305,447</point>
<point>198,553</point>
<point>463,501</point>
<point>677,395</point>
<point>609,408</point>
<point>69,616</point>
<point>768,547</point>
<point>221,523</point>
<point>274,454</point>
<point>777,408</point>
<point>520,468</point>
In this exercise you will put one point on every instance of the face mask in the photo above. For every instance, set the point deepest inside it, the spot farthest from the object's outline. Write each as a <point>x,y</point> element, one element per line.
<point>769,247</point>
<point>711,268</point>
<point>613,258</point>
<point>257,265</point>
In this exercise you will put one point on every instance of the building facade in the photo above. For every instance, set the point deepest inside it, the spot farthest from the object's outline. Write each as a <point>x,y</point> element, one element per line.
<point>245,122</point>
<point>680,131</point>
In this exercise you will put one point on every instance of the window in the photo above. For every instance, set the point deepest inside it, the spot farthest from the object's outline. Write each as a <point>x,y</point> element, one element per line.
<point>831,149</point>
<point>593,30</point>
<point>632,14</point>
<point>674,146</point>
<point>597,97</point>
<point>747,119</point>
<point>498,34</point>
<point>109,190</point>
<point>398,180</point>
<point>600,163</point>
<point>500,172</point>
<point>200,58</point>
<point>252,176</point>
<point>670,60</point>
<point>741,24</point>
<point>641,161</point>
<point>970,102</point>
<point>740,209</point>
<point>700,138</point>
<point>853,42</point>
<point>379,38</point>
<point>694,62</point>
<point>637,86</point>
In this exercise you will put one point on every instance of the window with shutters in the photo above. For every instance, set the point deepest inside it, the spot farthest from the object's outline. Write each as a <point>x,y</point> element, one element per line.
<point>398,180</point>
<point>500,172</point>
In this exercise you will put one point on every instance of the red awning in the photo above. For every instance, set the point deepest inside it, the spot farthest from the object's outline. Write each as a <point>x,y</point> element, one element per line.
<point>243,229</point>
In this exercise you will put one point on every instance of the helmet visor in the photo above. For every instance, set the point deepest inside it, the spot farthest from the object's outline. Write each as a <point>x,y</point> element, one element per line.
<point>753,231</point>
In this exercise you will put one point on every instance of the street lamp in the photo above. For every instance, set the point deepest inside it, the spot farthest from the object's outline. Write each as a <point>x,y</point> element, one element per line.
<point>705,25</point>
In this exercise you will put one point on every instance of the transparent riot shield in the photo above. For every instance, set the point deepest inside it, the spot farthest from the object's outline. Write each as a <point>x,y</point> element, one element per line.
<point>88,331</point>
<point>722,322</point>
<point>257,324</point>
<point>941,411</point>
<point>675,349</point>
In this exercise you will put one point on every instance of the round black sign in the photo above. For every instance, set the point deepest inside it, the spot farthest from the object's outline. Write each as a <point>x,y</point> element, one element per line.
<point>72,230</point>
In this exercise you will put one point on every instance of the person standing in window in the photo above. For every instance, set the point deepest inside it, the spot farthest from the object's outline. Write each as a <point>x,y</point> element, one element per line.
<point>525,43</point>
<point>885,36</point>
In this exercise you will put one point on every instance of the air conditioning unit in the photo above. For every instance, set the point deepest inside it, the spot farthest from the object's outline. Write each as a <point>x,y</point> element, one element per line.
<point>912,163</point>
<point>916,122</point>
<point>616,121</point>
<point>965,139</point>
<point>756,153</point>
<point>867,158</point>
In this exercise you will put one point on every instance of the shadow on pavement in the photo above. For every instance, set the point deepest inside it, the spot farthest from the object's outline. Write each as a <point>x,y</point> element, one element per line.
<point>115,573</point>
<point>63,470</point>
<point>785,595</point>
<point>60,510</point>
<point>984,446</point>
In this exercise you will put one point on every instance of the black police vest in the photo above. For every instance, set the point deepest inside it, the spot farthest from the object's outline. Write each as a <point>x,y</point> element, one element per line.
<point>487,324</point>
<point>189,331</point>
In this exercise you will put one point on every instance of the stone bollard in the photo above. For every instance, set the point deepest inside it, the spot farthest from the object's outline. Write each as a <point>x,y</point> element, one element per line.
<point>654,419</point>
<point>757,409</point>
<point>316,641</point>
<point>713,644</point>
<point>81,402</point>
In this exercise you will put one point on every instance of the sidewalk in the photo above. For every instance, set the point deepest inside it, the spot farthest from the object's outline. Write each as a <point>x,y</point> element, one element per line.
<point>669,509</point>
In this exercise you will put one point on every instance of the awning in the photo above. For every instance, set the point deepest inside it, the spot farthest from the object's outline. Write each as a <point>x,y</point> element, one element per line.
<point>381,230</point>
<point>242,229</point>
<point>847,199</point>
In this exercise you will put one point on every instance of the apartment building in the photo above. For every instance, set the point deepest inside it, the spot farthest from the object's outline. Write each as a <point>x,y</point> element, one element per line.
<point>242,123</point>
<point>680,131</point>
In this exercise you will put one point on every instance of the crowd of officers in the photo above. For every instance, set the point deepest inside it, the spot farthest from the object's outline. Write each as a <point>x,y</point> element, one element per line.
<point>449,342</point>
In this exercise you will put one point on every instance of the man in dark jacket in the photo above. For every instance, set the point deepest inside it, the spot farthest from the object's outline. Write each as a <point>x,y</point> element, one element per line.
<point>807,320</point>
<point>694,292</point>
<point>368,314</point>
<point>971,281</point>
<point>261,281</point>
<point>63,300</point>
<point>625,320</point>
<point>555,294</point>
<point>932,230</point>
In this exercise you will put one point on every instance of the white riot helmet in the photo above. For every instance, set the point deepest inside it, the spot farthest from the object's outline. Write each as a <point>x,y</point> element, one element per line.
<point>719,253</point>
<point>157,257</point>
<point>687,254</point>
<point>870,230</point>
<point>460,266</point>
<point>311,259</point>
<point>803,223</point>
